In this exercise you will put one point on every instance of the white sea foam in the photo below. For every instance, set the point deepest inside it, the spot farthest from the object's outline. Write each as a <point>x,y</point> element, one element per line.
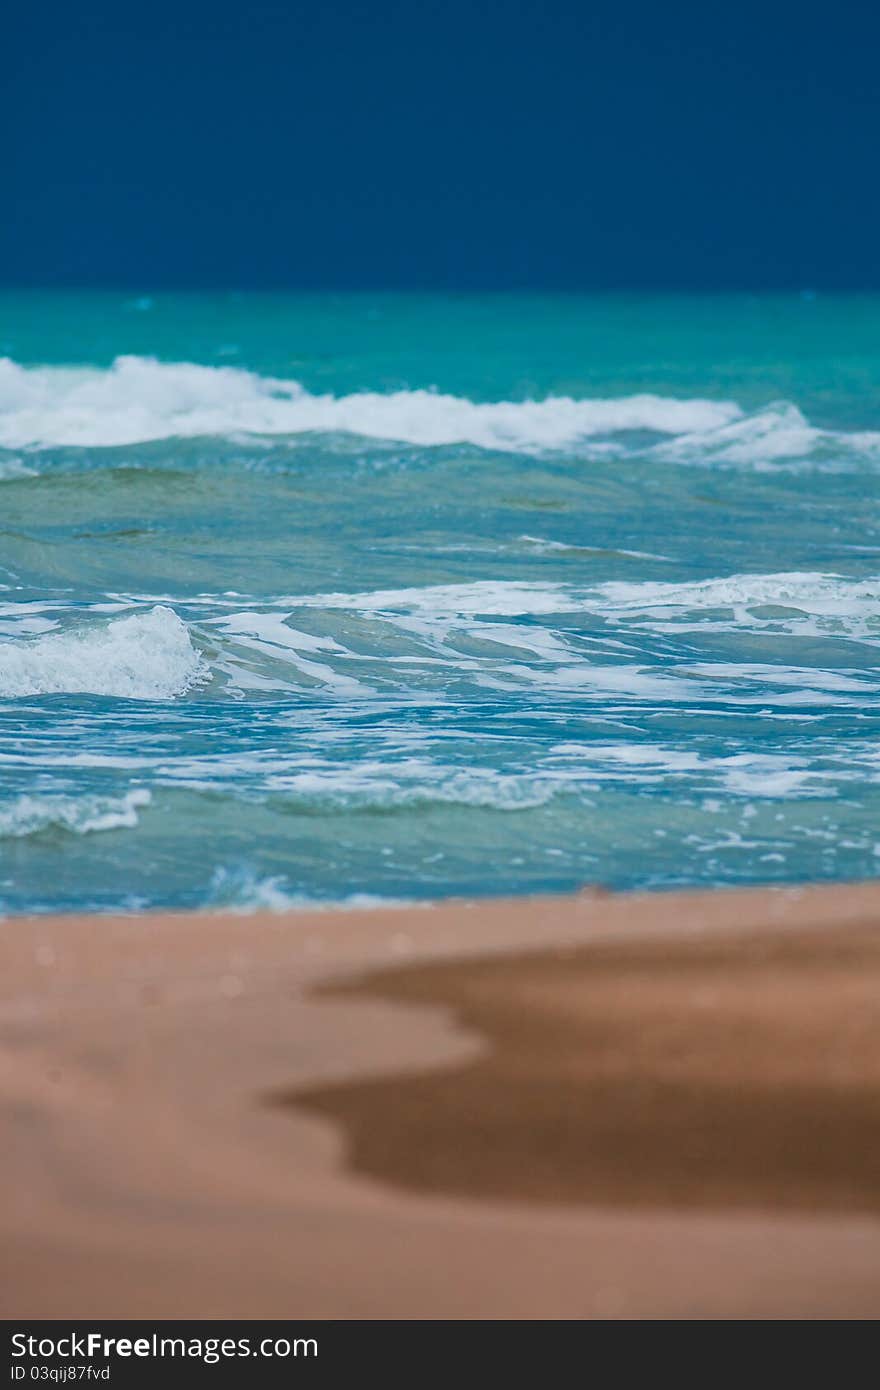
<point>571,771</point>
<point>421,638</point>
<point>767,675</point>
<point>769,436</point>
<point>801,603</point>
<point>765,774</point>
<point>269,635</point>
<point>547,547</point>
<point>742,774</point>
<point>139,399</point>
<point>489,597</point>
<point>788,601</point>
<point>811,592</point>
<point>625,681</point>
<point>623,758</point>
<point>29,815</point>
<point>14,468</point>
<point>147,656</point>
<point>240,890</point>
<point>797,589</point>
<point>411,782</point>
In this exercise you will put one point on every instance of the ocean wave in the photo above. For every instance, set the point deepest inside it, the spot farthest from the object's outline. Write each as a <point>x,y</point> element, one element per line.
<point>741,774</point>
<point>595,642</point>
<point>139,399</point>
<point>773,435</point>
<point>31,815</point>
<point>241,890</point>
<point>750,597</point>
<point>506,636</point>
<point>147,656</point>
<point>480,597</point>
<point>389,787</point>
<point>578,773</point>
<point>13,469</point>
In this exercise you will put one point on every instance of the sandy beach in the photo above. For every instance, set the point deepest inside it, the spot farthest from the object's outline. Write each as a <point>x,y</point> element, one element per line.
<point>597,1106</point>
<point>439,678</point>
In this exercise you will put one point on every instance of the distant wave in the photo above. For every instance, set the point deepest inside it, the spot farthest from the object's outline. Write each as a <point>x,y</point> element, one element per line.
<point>772,435</point>
<point>147,656</point>
<point>139,399</point>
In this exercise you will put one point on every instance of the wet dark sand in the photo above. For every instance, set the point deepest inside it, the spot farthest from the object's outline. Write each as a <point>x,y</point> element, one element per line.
<point>742,1073</point>
<point>588,1107</point>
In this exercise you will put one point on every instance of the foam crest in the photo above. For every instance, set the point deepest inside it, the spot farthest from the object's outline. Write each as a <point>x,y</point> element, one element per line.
<point>508,635</point>
<point>240,890</point>
<point>481,597</point>
<point>759,596</point>
<point>31,815</point>
<point>147,656</point>
<point>415,783</point>
<point>773,435</point>
<point>12,469</point>
<point>139,399</point>
<point>828,595</point>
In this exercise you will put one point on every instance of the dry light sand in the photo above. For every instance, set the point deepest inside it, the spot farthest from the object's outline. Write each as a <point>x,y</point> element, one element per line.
<point>640,1106</point>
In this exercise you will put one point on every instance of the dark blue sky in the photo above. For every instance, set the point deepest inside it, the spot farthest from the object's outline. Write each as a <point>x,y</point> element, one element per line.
<point>493,143</point>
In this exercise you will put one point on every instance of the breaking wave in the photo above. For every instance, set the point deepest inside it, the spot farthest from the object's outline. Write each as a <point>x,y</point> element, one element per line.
<point>240,890</point>
<point>147,656</point>
<point>30,815</point>
<point>139,399</point>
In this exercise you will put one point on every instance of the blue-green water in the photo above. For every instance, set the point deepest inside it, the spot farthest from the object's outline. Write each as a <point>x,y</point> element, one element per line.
<point>312,598</point>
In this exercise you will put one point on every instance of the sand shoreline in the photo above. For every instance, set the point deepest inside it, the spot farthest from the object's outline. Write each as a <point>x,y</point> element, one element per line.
<point>155,1174</point>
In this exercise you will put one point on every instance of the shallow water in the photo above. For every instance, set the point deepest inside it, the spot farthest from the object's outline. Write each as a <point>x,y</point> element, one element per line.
<point>319,599</point>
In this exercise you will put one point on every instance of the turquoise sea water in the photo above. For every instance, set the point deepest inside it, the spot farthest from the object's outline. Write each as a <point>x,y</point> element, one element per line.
<point>332,598</point>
